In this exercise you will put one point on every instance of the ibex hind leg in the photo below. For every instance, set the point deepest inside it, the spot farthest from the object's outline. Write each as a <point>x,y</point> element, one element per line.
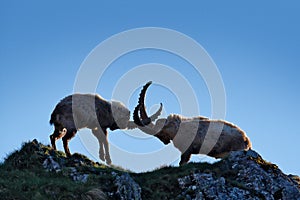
<point>56,136</point>
<point>69,135</point>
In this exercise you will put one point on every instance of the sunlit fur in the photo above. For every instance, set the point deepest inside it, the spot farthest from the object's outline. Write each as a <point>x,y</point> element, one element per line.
<point>91,111</point>
<point>196,135</point>
<point>189,134</point>
<point>121,114</point>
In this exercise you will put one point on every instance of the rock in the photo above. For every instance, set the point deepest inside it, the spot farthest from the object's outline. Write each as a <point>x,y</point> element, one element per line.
<point>94,194</point>
<point>51,165</point>
<point>243,175</point>
<point>127,188</point>
<point>210,187</point>
<point>295,179</point>
<point>76,176</point>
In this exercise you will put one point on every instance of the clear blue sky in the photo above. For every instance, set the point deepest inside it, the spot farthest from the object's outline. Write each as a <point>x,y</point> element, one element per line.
<point>255,46</point>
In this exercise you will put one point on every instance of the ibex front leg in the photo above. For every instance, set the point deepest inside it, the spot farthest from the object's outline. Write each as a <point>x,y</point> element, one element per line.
<point>101,135</point>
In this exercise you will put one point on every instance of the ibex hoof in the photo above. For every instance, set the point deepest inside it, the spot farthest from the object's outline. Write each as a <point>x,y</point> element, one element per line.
<point>101,156</point>
<point>108,160</point>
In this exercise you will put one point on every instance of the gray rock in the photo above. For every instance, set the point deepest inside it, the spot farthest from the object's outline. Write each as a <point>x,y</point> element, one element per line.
<point>295,179</point>
<point>245,175</point>
<point>51,165</point>
<point>127,188</point>
<point>76,176</point>
<point>94,194</point>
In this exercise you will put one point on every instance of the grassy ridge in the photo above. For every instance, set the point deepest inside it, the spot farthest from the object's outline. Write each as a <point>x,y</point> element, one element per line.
<point>23,176</point>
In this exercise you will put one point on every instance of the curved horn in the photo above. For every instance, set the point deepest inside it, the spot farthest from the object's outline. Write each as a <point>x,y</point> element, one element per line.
<point>136,117</point>
<point>158,112</point>
<point>143,92</point>
<point>142,109</point>
<point>138,122</point>
<point>141,101</point>
<point>138,109</point>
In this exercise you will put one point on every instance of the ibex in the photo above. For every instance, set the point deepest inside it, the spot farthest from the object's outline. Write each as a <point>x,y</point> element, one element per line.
<point>189,134</point>
<point>91,111</point>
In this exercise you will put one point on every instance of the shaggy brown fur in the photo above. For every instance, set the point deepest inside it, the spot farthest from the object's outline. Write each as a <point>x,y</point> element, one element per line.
<point>188,136</point>
<point>91,111</point>
<point>79,111</point>
<point>197,135</point>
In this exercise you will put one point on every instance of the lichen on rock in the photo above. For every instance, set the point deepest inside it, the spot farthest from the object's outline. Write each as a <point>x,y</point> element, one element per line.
<point>127,188</point>
<point>243,175</point>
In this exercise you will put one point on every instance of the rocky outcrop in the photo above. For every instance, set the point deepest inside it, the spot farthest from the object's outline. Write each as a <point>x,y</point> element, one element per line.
<point>127,189</point>
<point>244,175</point>
<point>37,171</point>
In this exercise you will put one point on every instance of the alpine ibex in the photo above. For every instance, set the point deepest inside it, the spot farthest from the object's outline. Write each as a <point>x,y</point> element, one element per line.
<point>91,111</point>
<point>189,134</point>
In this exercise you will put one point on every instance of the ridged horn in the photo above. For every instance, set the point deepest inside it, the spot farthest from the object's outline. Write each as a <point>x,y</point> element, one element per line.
<point>140,108</point>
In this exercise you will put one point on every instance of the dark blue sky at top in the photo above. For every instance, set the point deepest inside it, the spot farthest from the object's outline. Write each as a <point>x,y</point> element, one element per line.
<point>255,46</point>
